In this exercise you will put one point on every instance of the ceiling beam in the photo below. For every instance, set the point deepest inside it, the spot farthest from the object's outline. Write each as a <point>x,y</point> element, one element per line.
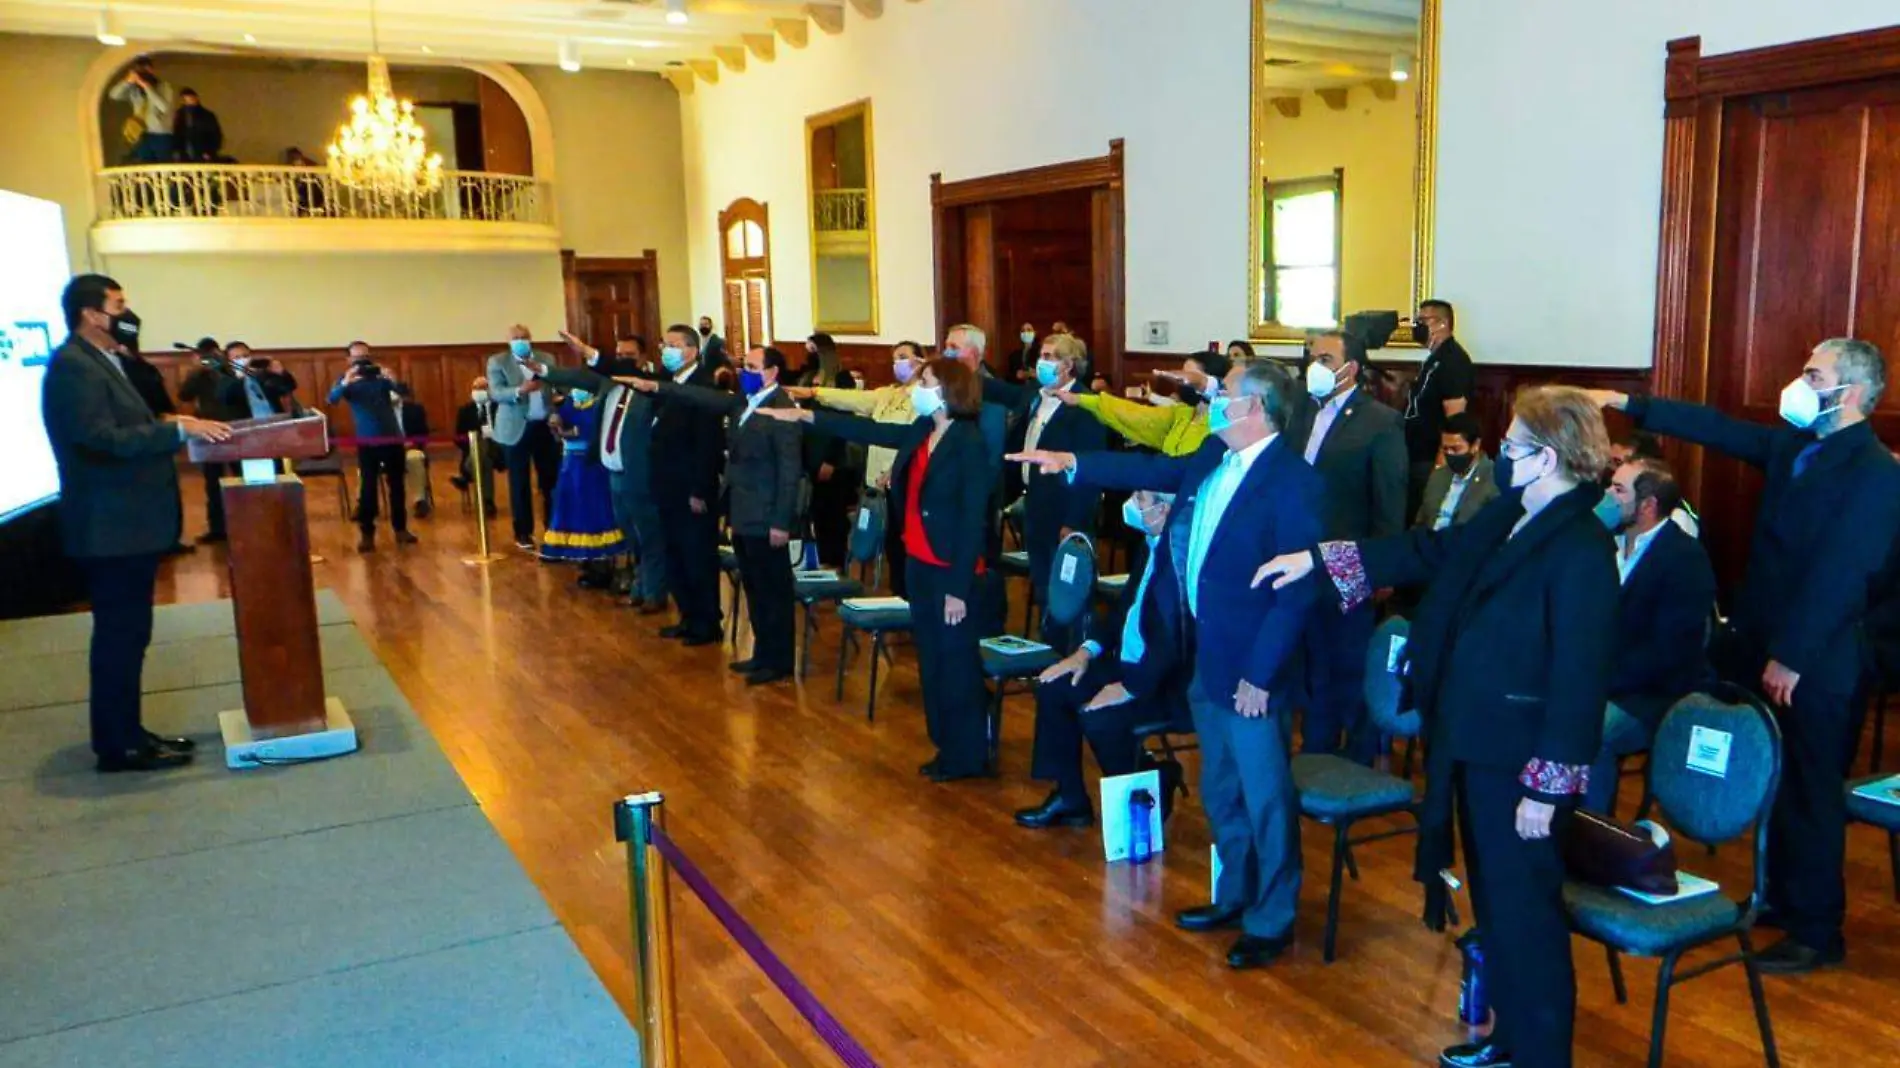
<point>1287,106</point>
<point>870,9</point>
<point>795,32</point>
<point>732,56</point>
<point>1334,98</point>
<point>707,70</point>
<point>762,45</point>
<point>829,19</point>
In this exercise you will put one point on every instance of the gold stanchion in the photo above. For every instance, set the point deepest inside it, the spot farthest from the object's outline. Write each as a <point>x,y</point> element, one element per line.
<point>290,468</point>
<point>656,1020</point>
<point>478,468</point>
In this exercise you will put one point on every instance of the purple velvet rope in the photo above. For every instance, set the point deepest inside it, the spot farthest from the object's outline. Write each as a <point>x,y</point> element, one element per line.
<point>795,991</point>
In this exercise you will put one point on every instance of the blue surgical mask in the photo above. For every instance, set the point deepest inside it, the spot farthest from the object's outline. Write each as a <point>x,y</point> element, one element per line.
<point>580,396</point>
<point>1028,336</point>
<point>520,348</point>
<point>672,357</point>
<point>1131,514</point>
<point>926,401</point>
<point>1610,514</point>
<point>1048,373</point>
<point>750,381</point>
<point>1218,418</point>
<point>951,352</point>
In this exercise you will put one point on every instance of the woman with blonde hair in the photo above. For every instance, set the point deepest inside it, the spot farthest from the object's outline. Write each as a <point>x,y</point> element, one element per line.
<point>1508,661</point>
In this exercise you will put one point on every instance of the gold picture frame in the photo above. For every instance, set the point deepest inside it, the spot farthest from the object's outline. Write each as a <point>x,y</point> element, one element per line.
<point>814,123</point>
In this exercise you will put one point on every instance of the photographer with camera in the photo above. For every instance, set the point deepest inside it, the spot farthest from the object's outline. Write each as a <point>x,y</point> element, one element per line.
<point>379,451</point>
<point>214,392</point>
<point>262,386</point>
<point>150,98</point>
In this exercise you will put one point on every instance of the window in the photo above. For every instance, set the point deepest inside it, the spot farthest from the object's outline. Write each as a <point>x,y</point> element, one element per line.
<point>1302,221</point>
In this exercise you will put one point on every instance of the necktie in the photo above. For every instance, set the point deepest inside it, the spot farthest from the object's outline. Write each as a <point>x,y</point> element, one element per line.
<point>1804,458</point>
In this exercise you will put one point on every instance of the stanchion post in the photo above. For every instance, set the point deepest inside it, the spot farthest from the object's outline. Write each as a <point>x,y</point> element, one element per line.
<point>635,818</point>
<point>476,459</point>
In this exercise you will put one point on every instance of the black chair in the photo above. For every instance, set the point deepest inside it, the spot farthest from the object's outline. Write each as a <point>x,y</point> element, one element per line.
<point>1338,792</point>
<point>1071,591</point>
<point>1881,814</point>
<point>880,620</point>
<point>1703,808</point>
<point>865,550</point>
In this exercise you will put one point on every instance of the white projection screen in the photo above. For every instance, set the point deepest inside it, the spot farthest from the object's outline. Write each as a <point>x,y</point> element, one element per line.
<point>33,271</point>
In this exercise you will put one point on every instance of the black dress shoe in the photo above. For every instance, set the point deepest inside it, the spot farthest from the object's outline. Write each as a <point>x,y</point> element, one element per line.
<point>767,676</point>
<point>181,549</point>
<point>1055,812</point>
<point>743,667</point>
<point>673,630</point>
<point>929,766</point>
<point>1207,918</point>
<point>146,759</point>
<point>1253,951</point>
<point>1482,1054</point>
<point>176,745</point>
<point>211,537</point>
<point>1792,957</point>
<point>940,773</point>
<point>694,640</point>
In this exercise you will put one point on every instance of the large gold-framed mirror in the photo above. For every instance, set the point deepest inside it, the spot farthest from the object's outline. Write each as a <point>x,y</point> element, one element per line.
<point>842,201</point>
<point>1341,161</point>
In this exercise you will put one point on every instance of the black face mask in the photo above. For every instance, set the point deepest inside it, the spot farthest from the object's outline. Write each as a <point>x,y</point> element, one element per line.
<point>1501,471</point>
<point>705,331</point>
<point>124,329</point>
<point>1459,464</point>
<point>1421,334</point>
<point>1190,396</point>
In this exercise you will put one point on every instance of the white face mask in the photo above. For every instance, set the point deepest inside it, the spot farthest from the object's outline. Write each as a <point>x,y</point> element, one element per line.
<point>479,396</point>
<point>1801,403</point>
<point>926,401</point>
<point>1321,380</point>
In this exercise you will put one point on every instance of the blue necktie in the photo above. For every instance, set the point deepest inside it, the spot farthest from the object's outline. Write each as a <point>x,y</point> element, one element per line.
<point>1805,457</point>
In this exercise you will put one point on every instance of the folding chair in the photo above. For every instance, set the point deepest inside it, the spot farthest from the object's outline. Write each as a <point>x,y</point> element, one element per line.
<point>879,623</point>
<point>865,549</point>
<point>1878,814</point>
<point>1702,808</point>
<point>1071,590</point>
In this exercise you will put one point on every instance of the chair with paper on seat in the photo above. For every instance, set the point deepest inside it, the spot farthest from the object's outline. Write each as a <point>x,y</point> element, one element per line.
<point>1713,769</point>
<point>1882,814</point>
<point>865,550</point>
<point>1338,792</point>
<point>1071,593</point>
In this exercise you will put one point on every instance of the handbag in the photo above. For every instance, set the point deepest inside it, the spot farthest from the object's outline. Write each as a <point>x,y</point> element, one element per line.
<point>1604,852</point>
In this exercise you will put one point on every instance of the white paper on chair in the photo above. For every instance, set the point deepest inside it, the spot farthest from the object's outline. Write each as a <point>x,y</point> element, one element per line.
<point>1115,792</point>
<point>1708,751</point>
<point>875,604</point>
<point>1687,886</point>
<point>822,574</point>
<point>864,519</point>
<point>1395,655</point>
<point>1068,569</point>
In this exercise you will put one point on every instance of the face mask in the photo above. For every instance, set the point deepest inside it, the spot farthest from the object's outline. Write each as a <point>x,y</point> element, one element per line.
<point>520,348</point>
<point>1421,334</point>
<point>751,381</point>
<point>1509,476</point>
<point>1218,417</point>
<point>1028,336</point>
<point>1048,373</point>
<point>951,352</point>
<point>1321,380</point>
<point>705,331</point>
<point>1610,514</point>
<point>479,396</point>
<point>1190,396</point>
<point>926,401</point>
<point>1459,464</point>
<point>124,329</point>
<point>1801,403</point>
<point>593,359</point>
<point>580,396</point>
<point>903,371</point>
<point>672,358</point>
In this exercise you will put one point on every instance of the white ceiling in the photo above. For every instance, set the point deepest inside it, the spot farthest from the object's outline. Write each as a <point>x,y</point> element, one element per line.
<point>1323,44</point>
<point>616,34</point>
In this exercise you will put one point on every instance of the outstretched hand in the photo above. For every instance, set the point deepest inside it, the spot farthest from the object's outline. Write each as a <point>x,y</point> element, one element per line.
<point>1049,461</point>
<point>799,393</point>
<point>784,415</point>
<point>580,348</point>
<point>1283,570</point>
<point>1068,397</point>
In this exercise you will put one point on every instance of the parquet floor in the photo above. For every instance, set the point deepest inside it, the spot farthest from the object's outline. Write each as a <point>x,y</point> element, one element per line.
<point>936,930</point>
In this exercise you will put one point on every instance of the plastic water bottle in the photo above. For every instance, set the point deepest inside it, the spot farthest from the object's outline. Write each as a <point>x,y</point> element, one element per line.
<point>1141,805</point>
<point>1474,1002</point>
<point>810,560</point>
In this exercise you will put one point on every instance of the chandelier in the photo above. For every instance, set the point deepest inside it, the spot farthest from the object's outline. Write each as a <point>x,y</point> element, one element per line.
<point>382,149</point>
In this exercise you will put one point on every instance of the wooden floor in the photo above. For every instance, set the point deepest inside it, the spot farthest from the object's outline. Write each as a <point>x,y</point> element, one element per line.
<point>937,931</point>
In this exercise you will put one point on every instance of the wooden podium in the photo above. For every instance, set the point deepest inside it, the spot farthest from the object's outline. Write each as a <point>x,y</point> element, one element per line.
<point>286,718</point>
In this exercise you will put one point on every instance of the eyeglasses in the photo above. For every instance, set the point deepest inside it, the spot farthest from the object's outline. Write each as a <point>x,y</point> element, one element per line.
<point>1531,448</point>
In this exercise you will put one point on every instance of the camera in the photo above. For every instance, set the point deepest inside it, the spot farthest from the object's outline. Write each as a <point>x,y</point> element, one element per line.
<point>1373,328</point>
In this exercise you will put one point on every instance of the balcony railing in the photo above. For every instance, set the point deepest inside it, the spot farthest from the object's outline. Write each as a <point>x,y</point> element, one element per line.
<point>216,191</point>
<point>842,210</point>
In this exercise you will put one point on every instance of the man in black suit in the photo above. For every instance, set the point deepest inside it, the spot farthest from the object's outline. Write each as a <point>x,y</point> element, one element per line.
<point>1358,447</point>
<point>1829,516</point>
<point>689,443</point>
<point>1464,483</point>
<point>1244,496</point>
<point>1108,686</point>
<point>763,472</point>
<point>213,390</point>
<point>118,508</point>
<point>1442,388</point>
<point>1053,508</point>
<point>1662,618</point>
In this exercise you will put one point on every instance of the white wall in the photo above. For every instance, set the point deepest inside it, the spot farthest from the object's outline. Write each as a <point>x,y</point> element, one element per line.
<point>1550,161</point>
<point>975,87</point>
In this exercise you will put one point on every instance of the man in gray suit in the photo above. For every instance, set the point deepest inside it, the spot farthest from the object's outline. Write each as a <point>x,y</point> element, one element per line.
<point>1464,484</point>
<point>521,429</point>
<point>118,508</point>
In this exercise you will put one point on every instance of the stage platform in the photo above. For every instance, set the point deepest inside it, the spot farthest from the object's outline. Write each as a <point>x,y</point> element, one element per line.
<point>358,911</point>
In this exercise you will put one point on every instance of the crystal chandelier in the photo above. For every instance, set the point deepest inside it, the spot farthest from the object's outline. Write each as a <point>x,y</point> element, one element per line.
<point>382,149</point>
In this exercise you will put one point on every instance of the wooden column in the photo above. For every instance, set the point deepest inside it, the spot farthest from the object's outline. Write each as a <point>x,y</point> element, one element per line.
<point>275,599</point>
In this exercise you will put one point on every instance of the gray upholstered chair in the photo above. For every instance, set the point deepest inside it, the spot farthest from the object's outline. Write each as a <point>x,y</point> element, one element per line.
<point>1704,808</point>
<point>864,551</point>
<point>1338,792</point>
<point>1067,601</point>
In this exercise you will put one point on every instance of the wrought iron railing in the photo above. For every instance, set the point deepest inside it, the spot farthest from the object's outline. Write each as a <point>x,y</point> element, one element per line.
<point>219,191</point>
<point>842,210</point>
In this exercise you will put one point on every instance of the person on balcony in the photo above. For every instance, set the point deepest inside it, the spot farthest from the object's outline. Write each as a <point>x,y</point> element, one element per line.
<point>150,98</point>
<point>196,134</point>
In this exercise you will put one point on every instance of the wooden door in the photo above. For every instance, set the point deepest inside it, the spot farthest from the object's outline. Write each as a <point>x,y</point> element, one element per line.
<point>504,135</point>
<point>1045,250</point>
<point>610,299</point>
<point>1807,248</point>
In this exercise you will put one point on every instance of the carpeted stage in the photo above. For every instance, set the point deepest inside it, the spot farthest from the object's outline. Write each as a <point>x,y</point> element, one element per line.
<point>359,911</point>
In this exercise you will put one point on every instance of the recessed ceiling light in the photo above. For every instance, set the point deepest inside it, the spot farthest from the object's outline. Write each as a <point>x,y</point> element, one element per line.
<point>676,12</point>
<point>250,39</point>
<point>107,31</point>
<point>645,44</point>
<point>427,51</point>
<point>570,57</point>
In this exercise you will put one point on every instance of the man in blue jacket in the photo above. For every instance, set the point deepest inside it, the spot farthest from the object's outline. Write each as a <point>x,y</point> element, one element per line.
<point>1829,517</point>
<point>1245,496</point>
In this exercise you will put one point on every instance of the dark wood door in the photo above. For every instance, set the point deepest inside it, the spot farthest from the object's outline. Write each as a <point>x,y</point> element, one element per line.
<point>1807,248</point>
<point>506,148</point>
<point>614,298</point>
<point>1045,250</point>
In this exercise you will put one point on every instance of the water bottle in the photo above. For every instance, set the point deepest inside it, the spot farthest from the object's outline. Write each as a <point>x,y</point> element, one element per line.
<point>1474,1002</point>
<point>810,556</point>
<point>1141,805</point>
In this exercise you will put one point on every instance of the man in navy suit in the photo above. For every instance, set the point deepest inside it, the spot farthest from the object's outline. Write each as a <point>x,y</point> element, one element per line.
<point>1829,517</point>
<point>1243,497</point>
<point>1662,617</point>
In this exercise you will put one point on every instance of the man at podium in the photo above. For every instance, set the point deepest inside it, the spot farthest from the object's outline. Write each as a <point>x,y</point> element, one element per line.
<point>118,508</point>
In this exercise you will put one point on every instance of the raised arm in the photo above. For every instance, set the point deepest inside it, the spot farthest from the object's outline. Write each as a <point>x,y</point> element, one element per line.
<point>711,400</point>
<point>1010,395</point>
<point>1751,443</point>
<point>1080,502</point>
<point>852,401</point>
<point>1142,424</point>
<point>1357,568</point>
<point>577,378</point>
<point>861,430</point>
<point>1128,471</point>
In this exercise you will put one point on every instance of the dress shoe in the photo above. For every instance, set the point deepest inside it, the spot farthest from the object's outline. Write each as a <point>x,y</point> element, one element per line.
<point>211,537</point>
<point>1055,812</point>
<point>403,537</point>
<point>943,774</point>
<point>1207,918</point>
<point>366,543</point>
<point>694,640</point>
<point>176,745</point>
<point>525,545</point>
<point>767,676</point>
<point>1771,919</point>
<point>1253,951</point>
<point>422,509</point>
<point>1792,957</point>
<point>635,601</point>
<point>147,758</point>
<point>673,630</point>
<point>1483,1054</point>
<point>929,766</point>
<point>458,482</point>
<point>743,667</point>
